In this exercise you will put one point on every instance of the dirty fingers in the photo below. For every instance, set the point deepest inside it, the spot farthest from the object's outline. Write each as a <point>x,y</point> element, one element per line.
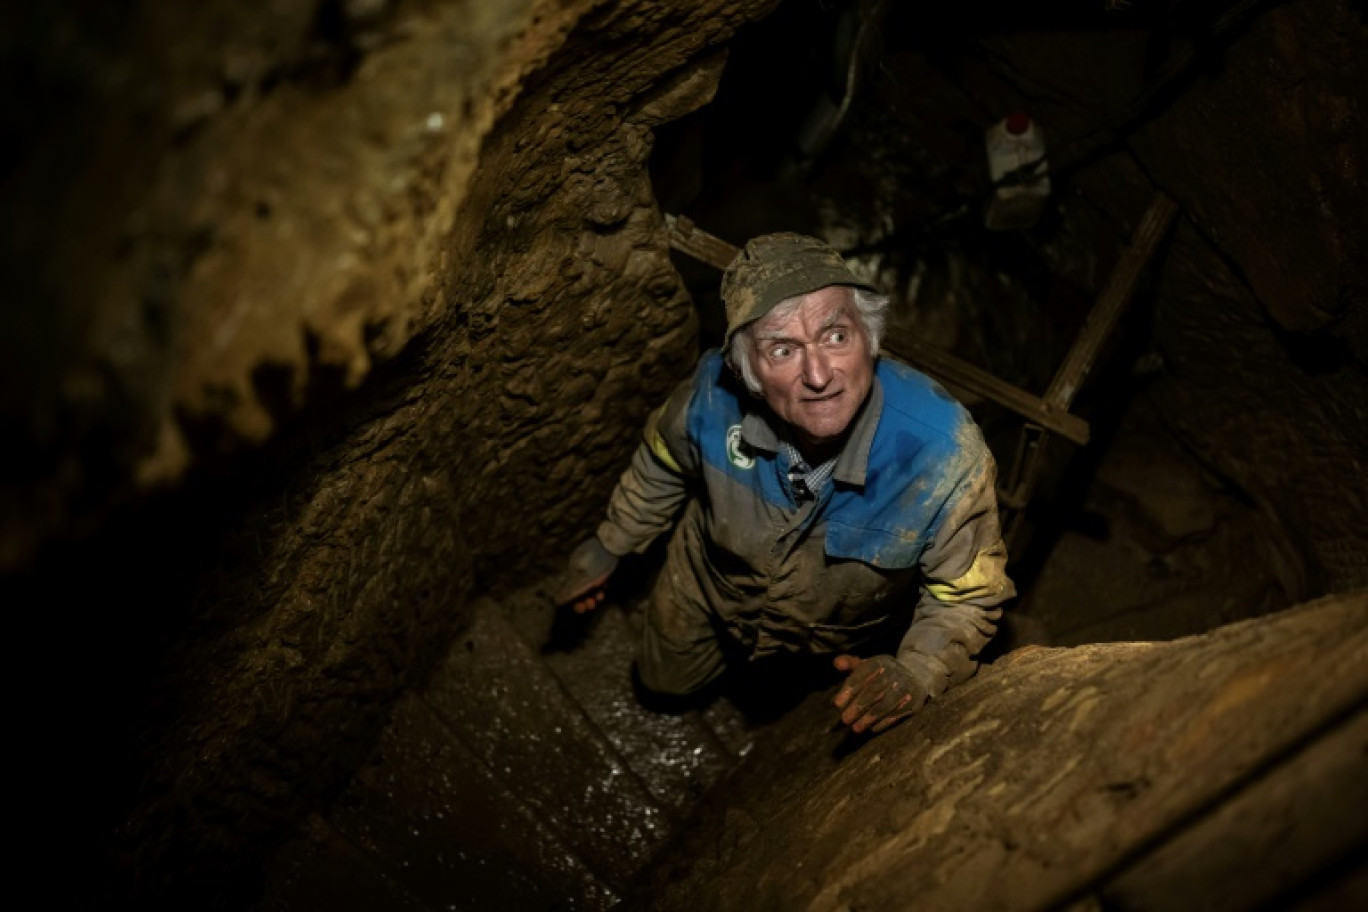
<point>878,693</point>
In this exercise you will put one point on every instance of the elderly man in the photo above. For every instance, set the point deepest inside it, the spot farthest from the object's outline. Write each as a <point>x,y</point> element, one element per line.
<point>833,502</point>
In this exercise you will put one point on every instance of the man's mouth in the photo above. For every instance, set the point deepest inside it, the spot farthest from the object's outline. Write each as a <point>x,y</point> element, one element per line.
<point>825,397</point>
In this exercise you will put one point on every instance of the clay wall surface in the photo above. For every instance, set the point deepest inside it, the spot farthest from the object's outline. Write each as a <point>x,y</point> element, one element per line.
<point>394,299</point>
<point>1220,769</point>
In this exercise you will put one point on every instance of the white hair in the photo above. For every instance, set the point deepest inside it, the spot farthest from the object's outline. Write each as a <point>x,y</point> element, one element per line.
<point>870,306</point>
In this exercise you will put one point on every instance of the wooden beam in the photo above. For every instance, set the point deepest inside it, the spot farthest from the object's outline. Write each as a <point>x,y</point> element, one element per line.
<point>949,369</point>
<point>689,239</point>
<point>1104,314</point>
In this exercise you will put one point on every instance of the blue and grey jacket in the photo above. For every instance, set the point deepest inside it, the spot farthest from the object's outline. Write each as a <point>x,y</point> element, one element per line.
<point>905,535</point>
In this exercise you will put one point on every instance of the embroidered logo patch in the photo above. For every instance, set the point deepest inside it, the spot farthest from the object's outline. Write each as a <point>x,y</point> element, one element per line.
<point>737,451</point>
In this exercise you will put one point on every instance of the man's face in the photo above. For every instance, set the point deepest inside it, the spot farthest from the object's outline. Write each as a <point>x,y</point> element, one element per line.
<point>814,367</point>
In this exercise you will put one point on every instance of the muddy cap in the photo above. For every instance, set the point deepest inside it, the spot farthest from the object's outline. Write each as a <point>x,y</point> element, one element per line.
<point>773,267</point>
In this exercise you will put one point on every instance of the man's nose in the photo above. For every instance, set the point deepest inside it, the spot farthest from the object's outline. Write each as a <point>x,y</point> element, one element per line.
<point>816,368</point>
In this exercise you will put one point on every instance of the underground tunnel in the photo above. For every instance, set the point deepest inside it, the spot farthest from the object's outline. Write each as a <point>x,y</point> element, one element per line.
<point>332,324</point>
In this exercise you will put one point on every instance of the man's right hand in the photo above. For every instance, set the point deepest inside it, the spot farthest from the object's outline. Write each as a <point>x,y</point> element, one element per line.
<point>879,692</point>
<point>586,574</point>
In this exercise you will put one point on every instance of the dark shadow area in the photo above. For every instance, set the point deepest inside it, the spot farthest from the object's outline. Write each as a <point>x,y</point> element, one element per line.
<point>570,629</point>
<point>125,606</point>
<point>1112,386</point>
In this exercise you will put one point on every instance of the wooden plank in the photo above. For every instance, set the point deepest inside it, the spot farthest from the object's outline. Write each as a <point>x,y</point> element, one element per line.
<point>952,370</point>
<point>1102,318</point>
<point>688,238</point>
<point>693,241</point>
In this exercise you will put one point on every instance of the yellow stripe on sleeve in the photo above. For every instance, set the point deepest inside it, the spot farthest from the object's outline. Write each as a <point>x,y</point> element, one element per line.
<point>662,452</point>
<point>986,576</point>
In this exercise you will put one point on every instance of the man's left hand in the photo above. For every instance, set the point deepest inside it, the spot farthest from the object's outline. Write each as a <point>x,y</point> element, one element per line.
<point>879,692</point>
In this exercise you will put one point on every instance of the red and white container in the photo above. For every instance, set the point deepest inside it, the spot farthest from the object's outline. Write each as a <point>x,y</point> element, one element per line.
<point>1013,143</point>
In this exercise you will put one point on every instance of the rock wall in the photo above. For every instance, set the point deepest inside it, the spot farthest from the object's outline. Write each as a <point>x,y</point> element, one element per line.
<point>1284,419</point>
<point>218,214</point>
<point>1221,770</point>
<point>394,298</point>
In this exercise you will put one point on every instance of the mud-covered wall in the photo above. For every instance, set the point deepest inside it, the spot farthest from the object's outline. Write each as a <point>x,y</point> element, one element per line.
<point>1218,770</point>
<point>212,214</point>
<point>382,309</point>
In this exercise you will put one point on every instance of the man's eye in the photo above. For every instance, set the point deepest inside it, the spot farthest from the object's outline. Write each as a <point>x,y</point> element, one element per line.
<point>780,352</point>
<point>838,336</point>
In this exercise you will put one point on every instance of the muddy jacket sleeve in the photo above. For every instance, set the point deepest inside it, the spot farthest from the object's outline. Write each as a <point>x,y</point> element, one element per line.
<point>655,485</point>
<point>964,583</point>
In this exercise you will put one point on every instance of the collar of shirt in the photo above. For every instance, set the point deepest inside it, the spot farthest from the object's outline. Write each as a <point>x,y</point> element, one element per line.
<point>804,480</point>
<point>852,464</point>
